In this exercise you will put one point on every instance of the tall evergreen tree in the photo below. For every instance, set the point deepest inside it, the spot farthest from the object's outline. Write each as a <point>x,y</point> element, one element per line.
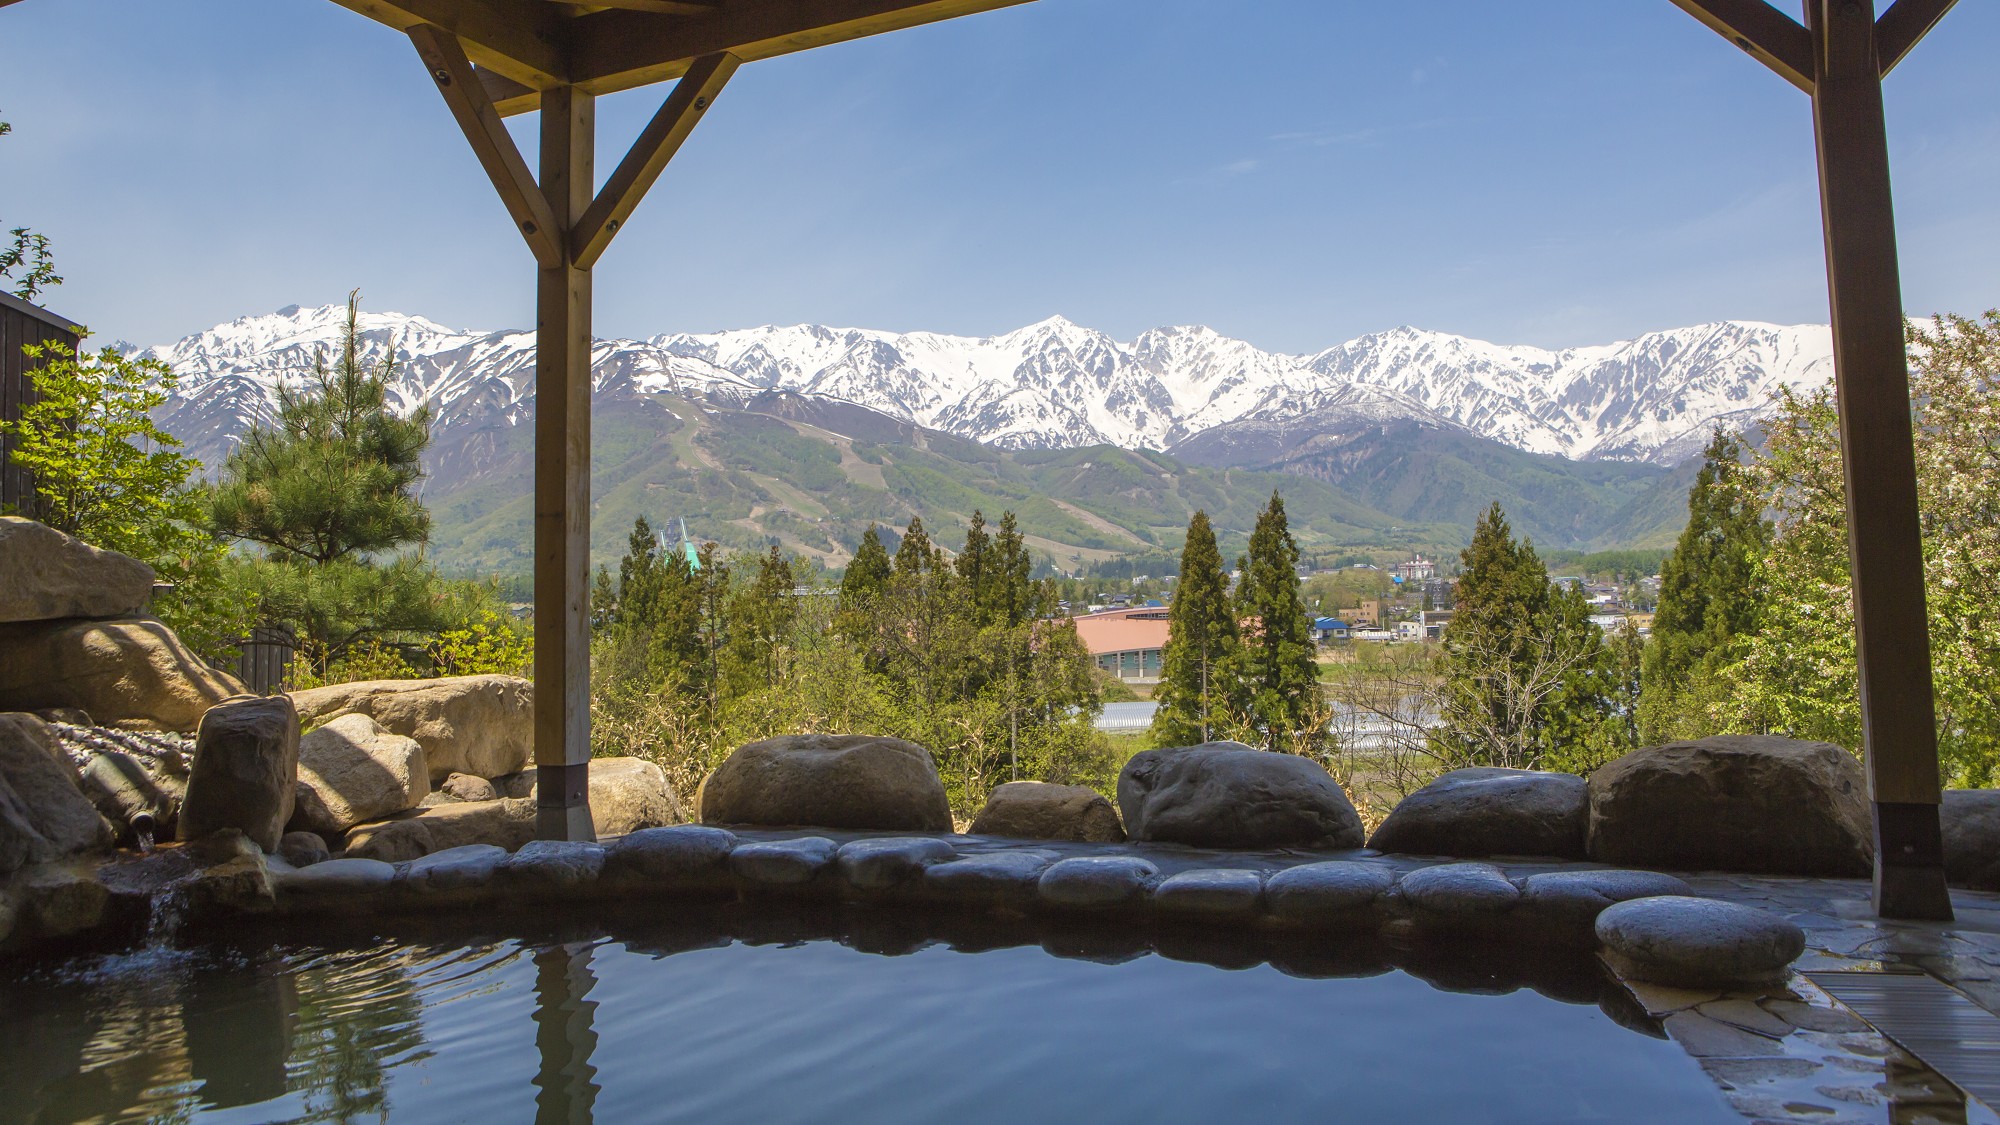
<point>1524,679</point>
<point>1199,693</point>
<point>975,567</point>
<point>336,477</point>
<point>868,574</point>
<point>1710,595</point>
<point>1280,674</point>
<point>329,492</point>
<point>1010,597</point>
<point>915,554</point>
<point>862,589</point>
<point>760,625</point>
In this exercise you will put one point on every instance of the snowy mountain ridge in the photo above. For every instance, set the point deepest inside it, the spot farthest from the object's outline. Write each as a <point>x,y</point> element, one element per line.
<point>1055,384</point>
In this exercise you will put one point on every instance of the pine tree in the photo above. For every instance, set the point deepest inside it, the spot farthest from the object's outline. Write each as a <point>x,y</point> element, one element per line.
<point>1710,595</point>
<point>1524,679</point>
<point>335,478</point>
<point>1010,597</point>
<point>1280,674</point>
<point>868,574</point>
<point>975,568</point>
<point>329,492</point>
<point>760,625</point>
<point>915,554</point>
<point>1199,691</point>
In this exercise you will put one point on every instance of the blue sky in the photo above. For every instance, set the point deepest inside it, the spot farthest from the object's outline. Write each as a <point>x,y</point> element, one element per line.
<point>1292,172</point>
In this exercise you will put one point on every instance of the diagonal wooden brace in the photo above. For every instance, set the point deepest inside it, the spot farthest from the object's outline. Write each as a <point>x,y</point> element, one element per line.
<point>1769,35</point>
<point>444,56</point>
<point>650,154</point>
<point>1902,27</point>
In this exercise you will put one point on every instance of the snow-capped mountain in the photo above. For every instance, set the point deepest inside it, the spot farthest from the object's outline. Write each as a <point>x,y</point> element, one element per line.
<point>1054,384</point>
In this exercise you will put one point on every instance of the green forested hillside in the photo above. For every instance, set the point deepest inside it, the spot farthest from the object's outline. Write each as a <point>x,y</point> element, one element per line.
<point>811,475</point>
<point>1429,474</point>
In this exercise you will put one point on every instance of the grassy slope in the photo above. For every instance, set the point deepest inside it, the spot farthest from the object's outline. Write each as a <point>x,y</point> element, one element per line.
<point>747,478</point>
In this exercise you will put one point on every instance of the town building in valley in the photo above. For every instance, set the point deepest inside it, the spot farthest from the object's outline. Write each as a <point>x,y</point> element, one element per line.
<point>1126,642</point>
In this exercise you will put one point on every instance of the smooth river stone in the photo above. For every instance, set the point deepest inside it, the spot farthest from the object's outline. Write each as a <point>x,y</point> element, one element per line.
<point>555,864</point>
<point>877,865</point>
<point>684,856</point>
<point>340,877</point>
<point>455,869</point>
<point>1460,890</point>
<point>785,863</point>
<point>1695,942</point>
<point>1330,893</point>
<point>999,879</point>
<point>1225,893</point>
<point>1096,882</point>
<point>1576,898</point>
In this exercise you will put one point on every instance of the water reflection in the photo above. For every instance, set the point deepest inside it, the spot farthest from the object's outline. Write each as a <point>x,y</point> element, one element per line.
<point>565,1035</point>
<point>815,1014</point>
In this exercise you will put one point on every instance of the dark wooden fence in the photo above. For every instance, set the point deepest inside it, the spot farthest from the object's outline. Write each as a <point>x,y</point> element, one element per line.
<point>22,324</point>
<point>265,654</point>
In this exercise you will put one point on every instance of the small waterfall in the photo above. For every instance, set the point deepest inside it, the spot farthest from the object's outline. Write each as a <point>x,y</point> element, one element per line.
<point>168,913</point>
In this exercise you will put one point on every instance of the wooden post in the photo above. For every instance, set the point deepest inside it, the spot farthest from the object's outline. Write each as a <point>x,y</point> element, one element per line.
<point>1872,382</point>
<point>562,480</point>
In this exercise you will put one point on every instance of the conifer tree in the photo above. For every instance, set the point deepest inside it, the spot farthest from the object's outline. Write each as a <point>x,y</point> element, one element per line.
<point>1710,595</point>
<point>868,574</point>
<point>915,554</point>
<point>329,492</point>
<point>975,567</point>
<point>1280,674</point>
<point>1198,693</point>
<point>335,478</point>
<point>760,625</point>
<point>1010,594</point>
<point>1524,679</point>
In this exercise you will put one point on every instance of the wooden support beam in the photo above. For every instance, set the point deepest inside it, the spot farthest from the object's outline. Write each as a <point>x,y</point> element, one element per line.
<point>1902,27</point>
<point>446,61</point>
<point>562,481</point>
<point>658,142</point>
<point>1769,35</point>
<point>664,7</point>
<point>1872,385</point>
<point>522,39</point>
<point>508,96</point>
<point>615,51</point>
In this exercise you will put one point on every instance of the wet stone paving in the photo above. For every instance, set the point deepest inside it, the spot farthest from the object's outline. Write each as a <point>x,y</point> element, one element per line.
<point>1800,1054</point>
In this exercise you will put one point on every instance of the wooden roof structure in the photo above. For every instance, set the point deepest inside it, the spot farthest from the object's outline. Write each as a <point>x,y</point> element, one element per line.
<point>494,58</point>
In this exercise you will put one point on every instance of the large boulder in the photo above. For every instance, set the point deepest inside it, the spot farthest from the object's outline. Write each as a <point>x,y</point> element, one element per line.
<point>478,725</point>
<point>1697,942</point>
<point>357,771</point>
<point>419,832</point>
<point>629,794</point>
<point>1035,810</point>
<point>246,770</point>
<point>46,575</point>
<point>127,672</point>
<point>1971,822</point>
<point>44,814</point>
<point>829,781</point>
<point>1750,803</point>
<point>1227,795</point>
<point>1489,811</point>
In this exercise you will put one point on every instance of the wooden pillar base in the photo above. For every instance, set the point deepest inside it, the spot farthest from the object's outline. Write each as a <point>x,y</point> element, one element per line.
<point>562,803</point>
<point>1909,863</point>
